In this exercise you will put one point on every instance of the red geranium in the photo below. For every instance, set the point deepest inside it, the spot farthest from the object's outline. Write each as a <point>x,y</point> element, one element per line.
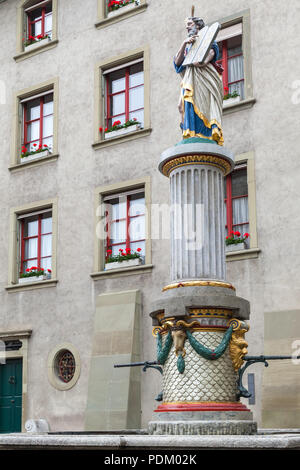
<point>139,249</point>
<point>116,123</point>
<point>238,234</point>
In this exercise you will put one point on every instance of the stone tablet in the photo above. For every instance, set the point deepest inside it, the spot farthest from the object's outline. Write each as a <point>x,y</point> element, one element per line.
<point>201,47</point>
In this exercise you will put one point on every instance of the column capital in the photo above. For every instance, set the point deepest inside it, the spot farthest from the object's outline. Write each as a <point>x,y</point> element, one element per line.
<point>196,153</point>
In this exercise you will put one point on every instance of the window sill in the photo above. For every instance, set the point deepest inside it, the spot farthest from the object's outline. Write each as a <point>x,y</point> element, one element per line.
<point>36,162</point>
<point>31,285</point>
<point>43,47</point>
<point>120,16</point>
<point>250,253</point>
<point>144,268</point>
<point>239,106</point>
<point>122,138</point>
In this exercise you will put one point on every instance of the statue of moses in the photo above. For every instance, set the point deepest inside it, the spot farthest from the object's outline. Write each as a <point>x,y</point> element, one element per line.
<point>201,96</point>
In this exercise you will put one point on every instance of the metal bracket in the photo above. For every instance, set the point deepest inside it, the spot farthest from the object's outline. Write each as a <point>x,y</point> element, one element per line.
<point>243,392</point>
<point>150,365</point>
<point>146,365</point>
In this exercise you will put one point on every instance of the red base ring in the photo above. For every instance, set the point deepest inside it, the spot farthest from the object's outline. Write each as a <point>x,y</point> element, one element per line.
<point>201,406</point>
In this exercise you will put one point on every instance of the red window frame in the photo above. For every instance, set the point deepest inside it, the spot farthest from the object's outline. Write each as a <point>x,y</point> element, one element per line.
<point>42,20</point>
<point>224,63</point>
<point>230,226</point>
<point>128,219</point>
<point>39,243</point>
<point>28,122</point>
<point>126,90</point>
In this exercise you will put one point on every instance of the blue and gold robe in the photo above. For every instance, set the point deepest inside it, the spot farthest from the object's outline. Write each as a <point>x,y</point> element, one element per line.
<point>202,100</point>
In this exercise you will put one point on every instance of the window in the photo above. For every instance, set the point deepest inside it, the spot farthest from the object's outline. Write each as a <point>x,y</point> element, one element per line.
<point>240,205</point>
<point>236,201</point>
<point>125,94</point>
<point>35,123</point>
<point>36,27</point>
<point>38,122</point>
<point>33,240</point>
<point>64,366</point>
<point>125,222</point>
<point>231,59</point>
<point>39,20</point>
<point>36,241</point>
<point>234,40</point>
<point>123,98</point>
<point>109,13</point>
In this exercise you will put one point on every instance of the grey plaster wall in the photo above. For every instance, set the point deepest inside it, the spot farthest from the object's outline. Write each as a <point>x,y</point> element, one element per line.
<point>65,313</point>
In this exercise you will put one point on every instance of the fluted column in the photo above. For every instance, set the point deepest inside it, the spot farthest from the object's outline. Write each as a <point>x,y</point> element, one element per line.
<point>197,223</point>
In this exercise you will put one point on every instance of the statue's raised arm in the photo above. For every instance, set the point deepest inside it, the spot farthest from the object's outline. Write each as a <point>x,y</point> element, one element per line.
<point>201,94</point>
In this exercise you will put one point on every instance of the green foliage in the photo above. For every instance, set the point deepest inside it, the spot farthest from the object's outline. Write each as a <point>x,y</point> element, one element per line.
<point>180,364</point>
<point>116,126</point>
<point>119,258</point>
<point>209,353</point>
<point>163,351</point>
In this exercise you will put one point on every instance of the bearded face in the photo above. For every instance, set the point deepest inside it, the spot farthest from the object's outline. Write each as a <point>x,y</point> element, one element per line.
<point>192,29</point>
<point>238,348</point>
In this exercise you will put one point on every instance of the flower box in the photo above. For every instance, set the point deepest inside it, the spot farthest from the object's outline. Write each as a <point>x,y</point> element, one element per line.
<point>123,264</point>
<point>235,247</point>
<point>45,153</point>
<point>36,44</point>
<point>23,280</point>
<point>123,9</point>
<point>124,130</point>
<point>231,101</point>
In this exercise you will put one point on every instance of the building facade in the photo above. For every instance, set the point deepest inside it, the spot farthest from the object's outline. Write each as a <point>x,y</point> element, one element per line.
<point>88,102</point>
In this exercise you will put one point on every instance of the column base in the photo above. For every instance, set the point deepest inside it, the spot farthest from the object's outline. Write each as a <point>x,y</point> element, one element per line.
<point>203,418</point>
<point>208,427</point>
